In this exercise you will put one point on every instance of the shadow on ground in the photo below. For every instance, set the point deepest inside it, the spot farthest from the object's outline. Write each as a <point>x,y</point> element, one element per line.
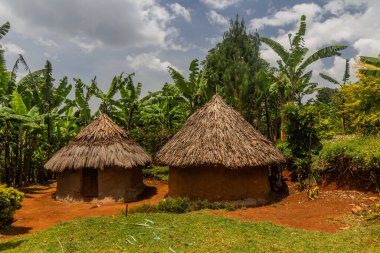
<point>12,231</point>
<point>10,245</point>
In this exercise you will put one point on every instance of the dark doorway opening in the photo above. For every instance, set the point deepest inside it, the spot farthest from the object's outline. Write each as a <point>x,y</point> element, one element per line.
<point>90,183</point>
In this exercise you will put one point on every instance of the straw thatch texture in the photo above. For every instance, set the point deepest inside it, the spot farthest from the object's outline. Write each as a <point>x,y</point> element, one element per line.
<point>99,145</point>
<point>218,135</point>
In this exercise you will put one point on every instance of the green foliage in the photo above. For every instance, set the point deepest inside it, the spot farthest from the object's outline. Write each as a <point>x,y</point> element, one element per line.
<point>10,201</point>
<point>231,67</point>
<point>373,66</point>
<point>356,157</point>
<point>302,138</point>
<point>157,172</point>
<point>362,105</point>
<point>177,205</point>
<point>181,205</point>
<point>194,89</point>
<point>293,64</point>
<point>169,205</point>
<point>373,212</point>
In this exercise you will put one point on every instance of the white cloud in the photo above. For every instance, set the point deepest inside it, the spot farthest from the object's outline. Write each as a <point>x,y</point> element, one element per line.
<point>220,4</point>
<point>122,24</point>
<point>287,16</point>
<point>47,42</point>
<point>147,61</point>
<point>367,46</point>
<point>181,11</point>
<point>346,22</point>
<point>11,48</point>
<point>215,18</point>
<point>214,40</point>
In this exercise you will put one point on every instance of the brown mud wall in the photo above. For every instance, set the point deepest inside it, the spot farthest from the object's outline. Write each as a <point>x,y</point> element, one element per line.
<point>218,183</point>
<point>114,185</point>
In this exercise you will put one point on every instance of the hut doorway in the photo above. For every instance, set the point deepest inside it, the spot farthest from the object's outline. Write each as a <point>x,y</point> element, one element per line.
<point>90,183</point>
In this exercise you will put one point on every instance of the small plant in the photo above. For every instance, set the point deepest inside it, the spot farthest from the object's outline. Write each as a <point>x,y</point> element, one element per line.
<point>373,212</point>
<point>144,208</point>
<point>181,205</point>
<point>178,205</point>
<point>10,201</point>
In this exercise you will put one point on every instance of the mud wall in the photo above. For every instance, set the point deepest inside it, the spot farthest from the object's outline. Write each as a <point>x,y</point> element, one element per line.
<point>219,183</point>
<point>69,185</point>
<point>120,185</point>
<point>114,185</point>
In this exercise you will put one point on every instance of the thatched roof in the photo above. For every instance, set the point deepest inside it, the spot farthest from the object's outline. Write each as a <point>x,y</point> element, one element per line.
<point>99,145</point>
<point>217,135</point>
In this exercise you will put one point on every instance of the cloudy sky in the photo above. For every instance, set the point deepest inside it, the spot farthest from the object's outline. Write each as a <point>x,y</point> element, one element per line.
<point>84,38</point>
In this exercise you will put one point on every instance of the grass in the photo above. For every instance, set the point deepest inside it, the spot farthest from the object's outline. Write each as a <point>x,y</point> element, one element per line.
<point>190,232</point>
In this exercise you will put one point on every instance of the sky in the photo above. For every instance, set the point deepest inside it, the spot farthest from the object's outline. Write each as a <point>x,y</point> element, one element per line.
<point>102,38</point>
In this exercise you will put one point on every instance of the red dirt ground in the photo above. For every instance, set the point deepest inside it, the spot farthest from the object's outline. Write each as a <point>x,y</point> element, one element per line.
<point>39,210</point>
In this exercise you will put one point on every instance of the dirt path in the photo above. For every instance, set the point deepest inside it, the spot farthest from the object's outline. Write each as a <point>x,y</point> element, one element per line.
<point>326,214</point>
<point>39,210</point>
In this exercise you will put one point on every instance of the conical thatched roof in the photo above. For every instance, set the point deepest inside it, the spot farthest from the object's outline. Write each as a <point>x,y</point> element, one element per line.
<point>214,135</point>
<point>99,145</point>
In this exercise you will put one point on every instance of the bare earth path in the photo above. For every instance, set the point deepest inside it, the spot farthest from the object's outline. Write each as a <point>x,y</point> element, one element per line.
<point>39,210</point>
<point>326,214</point>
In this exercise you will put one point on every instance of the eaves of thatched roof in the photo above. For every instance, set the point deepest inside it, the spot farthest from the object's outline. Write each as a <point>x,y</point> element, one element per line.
<point>99,145</point>
<point>217,135</point>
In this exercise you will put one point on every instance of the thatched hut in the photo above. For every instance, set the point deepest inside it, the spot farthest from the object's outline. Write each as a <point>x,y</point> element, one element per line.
<point>101,162</point>
<point>218,155</point>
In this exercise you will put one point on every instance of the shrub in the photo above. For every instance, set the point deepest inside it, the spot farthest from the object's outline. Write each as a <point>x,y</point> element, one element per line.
<point>178,205</point>
<point>10,201</point>
<point>159,173</point>
<point>181,205</point>
<point>352,156</point>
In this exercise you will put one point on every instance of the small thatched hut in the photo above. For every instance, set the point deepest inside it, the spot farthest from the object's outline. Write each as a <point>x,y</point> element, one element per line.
<point>101,162</point>
<point>218,155</point>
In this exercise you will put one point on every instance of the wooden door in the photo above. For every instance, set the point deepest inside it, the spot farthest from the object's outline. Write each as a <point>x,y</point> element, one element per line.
<point>90,183</point>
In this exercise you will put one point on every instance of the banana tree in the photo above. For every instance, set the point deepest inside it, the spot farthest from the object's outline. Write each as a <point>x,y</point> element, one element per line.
<point>83,94</point>
<point>293,66</point>
<point>22,122</point>
<point>372,66</point>
<point>107,103</point>
<point>129,103</point>
<point>194,89</point>
<point>345,79</point>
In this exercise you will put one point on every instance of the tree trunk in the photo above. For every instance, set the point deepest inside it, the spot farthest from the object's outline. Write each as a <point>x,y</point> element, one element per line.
<point>267,117</point>
<point>282,130</point>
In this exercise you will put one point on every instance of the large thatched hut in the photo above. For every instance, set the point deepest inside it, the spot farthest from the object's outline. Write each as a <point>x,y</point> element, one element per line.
<point>101,162</point>
<point>218,155</point>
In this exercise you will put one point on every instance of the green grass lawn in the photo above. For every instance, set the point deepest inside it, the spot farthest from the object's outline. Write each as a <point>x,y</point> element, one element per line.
<point>190,232</point>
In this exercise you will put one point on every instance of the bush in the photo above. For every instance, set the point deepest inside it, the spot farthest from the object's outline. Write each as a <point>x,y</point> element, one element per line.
<point>352,156</point>
<point>178,205</point>
<point>181,205</point>
<point>10,201</point>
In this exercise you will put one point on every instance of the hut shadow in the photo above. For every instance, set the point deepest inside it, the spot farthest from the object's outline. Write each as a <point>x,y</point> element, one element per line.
<point>12,231</point>
<point>279,194</point>
<point>148,192</point>
<point>10,245</point>
<point>30,191</point>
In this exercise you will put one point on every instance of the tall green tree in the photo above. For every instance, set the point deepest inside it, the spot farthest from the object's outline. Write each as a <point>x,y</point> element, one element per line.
<point>294,76</point>
<point>232,65</point>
